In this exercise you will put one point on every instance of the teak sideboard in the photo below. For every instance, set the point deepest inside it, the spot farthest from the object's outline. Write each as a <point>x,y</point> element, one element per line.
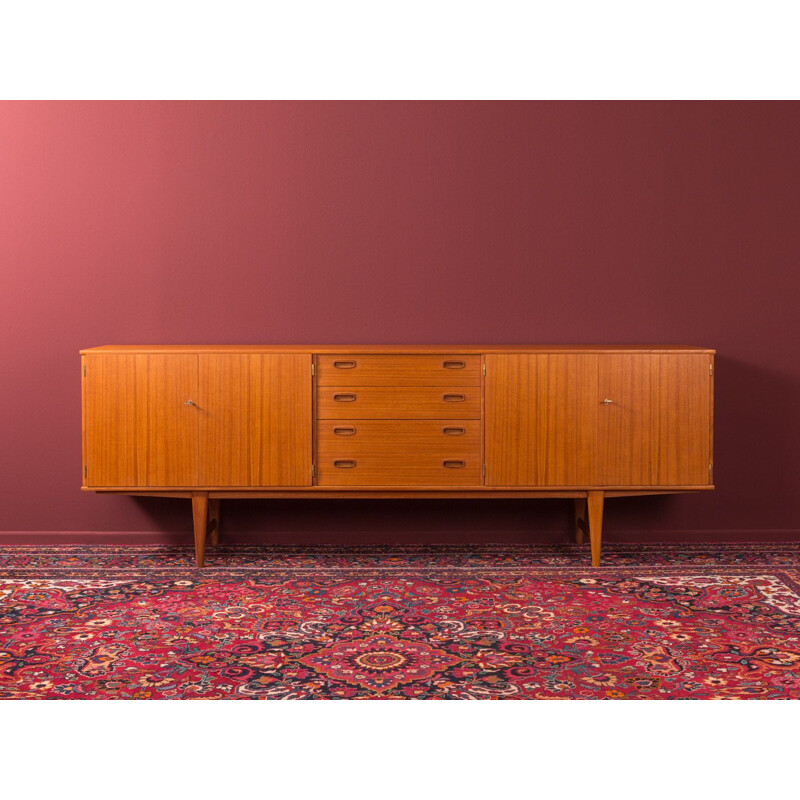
<point>216,422</point>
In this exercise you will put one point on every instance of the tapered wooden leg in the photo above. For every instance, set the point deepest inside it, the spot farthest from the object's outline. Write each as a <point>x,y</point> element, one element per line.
<point>579,518</point>
<point>595,506</point>
<point>213,522</point>
<point>200,518</point>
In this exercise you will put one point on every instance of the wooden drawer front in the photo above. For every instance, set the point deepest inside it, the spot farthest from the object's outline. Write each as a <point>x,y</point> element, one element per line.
<point>390,402</point>
<point>367,370</point>
<point>441,437</point>
<point>399,453</point>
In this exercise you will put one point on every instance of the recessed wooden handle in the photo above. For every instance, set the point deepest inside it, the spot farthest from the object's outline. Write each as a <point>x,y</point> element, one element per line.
<point>344,364</point>
<point>454,364</point>
<point>344,397</point>
<point>340,430</point>
<point>344,463</point>
<point>452,464</point>
<point>454,398</point>
<point>453,431</point>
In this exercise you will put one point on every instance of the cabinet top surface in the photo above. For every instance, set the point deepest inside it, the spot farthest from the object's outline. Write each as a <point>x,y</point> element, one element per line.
<point>410,349</point>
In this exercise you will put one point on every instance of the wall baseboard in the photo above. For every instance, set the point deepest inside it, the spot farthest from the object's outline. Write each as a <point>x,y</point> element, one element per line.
<point>419,537</point>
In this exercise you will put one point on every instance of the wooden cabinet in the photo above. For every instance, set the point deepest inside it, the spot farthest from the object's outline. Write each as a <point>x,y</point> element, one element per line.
<point>399,420</point>
<point>653,420</point>
<point>138,431</point>
<point>540,419</point>
<point>606,419</point>
<point>399,370</point>
<point>254,412</point>
<point>398,402</point>
<point>179,420</point>
<point>398,452</point>
<point>214,422</point>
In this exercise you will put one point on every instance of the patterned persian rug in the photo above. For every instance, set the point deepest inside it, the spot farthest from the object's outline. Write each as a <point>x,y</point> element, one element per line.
<point>445,622</point>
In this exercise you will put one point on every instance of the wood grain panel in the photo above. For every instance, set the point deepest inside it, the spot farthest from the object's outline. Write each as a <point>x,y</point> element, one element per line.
<point>627,430</point>
<point>397,349</point>
<point>405,438</point>
<point>399,453</point>
<point>685,388</point>
<point>404,370</point>
<point>83,422</point>
<point>383,470</point>
<point>540,419</point>
<point>401,402</point>
<point>474,491</point>
<point>655,432</point>
<point>139,431</point>
<point>256,420</point>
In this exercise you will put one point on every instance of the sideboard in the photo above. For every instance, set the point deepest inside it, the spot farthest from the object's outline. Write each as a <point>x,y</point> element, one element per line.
<point>209,423</point>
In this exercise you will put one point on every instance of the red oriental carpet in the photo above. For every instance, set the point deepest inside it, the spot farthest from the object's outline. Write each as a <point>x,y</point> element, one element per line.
<point>444,622</point>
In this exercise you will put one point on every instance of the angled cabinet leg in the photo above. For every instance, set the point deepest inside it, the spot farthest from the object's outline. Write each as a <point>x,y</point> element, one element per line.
<point>213,522</point>
<point>200,519</point>
<point>595,507</point>
<point>580,525</point>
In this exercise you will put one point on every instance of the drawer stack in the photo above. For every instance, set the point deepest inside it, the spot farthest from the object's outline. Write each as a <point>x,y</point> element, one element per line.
<point>398,420</point>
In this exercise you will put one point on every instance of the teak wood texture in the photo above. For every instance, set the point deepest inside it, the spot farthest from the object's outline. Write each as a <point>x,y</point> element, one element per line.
<point>212,422</point>
<point>655,432</point>
<point>255,417</point>
<point>138,431</point>
<point>540,419</point>
<point>182,420</point>
<point>398,402</point>
<point>395,349</point>
<point>598,420</point>
<point>399,453</point>
<point>404,370</point>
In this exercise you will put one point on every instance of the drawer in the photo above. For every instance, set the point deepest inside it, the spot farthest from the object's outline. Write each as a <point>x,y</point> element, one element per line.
<point>427,370</point>
<point>441,437</point>
<point>399,453</point>
<point>401,402</point>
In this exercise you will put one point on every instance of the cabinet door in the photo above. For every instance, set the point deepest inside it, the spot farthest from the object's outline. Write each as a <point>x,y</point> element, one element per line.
<point>255,419</point>
<point>138,429</point>
<point>541,415</point>
<point>656,429</point>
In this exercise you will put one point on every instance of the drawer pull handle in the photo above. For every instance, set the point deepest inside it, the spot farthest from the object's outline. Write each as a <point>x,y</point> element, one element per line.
<point>344,463</point>
<point>453,431</point>
<point>342,431</point>
<point>344,364</point>
<point>454,364</point>
<point>454,398</point>
<point>347,397</point>
<point>454,464</point>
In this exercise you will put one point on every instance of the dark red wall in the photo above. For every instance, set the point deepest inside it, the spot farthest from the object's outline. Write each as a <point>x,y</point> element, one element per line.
<point>385,222</point>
